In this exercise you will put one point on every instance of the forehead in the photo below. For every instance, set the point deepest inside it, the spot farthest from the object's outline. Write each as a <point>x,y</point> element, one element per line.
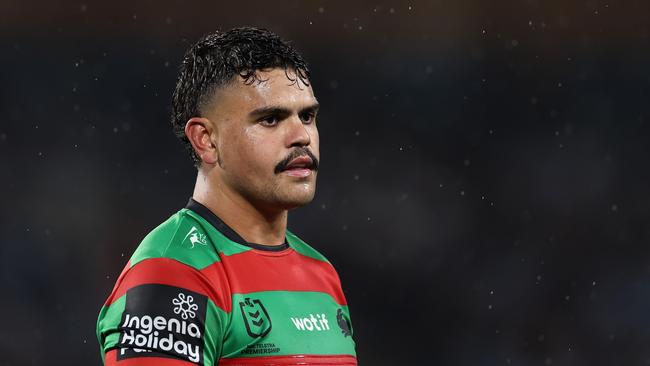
<point>274,89</point>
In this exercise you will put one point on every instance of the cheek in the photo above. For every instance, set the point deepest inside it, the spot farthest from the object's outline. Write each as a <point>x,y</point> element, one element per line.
<point>256,147</point>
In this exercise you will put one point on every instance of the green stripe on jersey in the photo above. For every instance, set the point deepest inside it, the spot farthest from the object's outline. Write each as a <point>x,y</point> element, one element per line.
<point>190,239</point>
<point>303,248</point>
<point>108,322</point>
<point>187,238</point>
<point>215,322</point>
<point>280,323</point>
<point>220,241</point>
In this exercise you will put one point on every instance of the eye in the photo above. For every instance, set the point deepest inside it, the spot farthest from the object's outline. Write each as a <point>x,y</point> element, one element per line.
<point>269,121</point>
<point>308,117</point>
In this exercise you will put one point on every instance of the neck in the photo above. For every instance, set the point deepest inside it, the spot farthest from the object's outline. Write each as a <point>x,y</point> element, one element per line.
<point>252,223</point>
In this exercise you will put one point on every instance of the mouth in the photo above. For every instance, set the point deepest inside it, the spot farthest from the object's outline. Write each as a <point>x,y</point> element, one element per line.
<point>300,167</point>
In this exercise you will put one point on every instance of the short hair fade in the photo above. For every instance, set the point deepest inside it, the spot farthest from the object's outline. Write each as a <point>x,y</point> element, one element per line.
<point>216,59</point>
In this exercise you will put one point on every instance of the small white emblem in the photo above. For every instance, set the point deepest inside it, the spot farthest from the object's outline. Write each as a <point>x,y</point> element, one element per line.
<point>184,306</point>
<point>196,237</point>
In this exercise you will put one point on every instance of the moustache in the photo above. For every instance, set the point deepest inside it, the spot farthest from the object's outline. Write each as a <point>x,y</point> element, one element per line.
<point>297,152</point>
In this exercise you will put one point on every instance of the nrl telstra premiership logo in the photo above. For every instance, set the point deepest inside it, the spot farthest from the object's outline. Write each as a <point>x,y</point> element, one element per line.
<point>256,319</point>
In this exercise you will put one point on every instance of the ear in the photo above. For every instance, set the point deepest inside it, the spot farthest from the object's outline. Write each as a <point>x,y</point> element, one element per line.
<point>198,131</point>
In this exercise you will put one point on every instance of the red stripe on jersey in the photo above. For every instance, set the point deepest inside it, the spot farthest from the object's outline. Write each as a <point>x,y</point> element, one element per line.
<point>311,360</point>
<point>254,271</point>
<point>166,271</point>
<point>111,360</point>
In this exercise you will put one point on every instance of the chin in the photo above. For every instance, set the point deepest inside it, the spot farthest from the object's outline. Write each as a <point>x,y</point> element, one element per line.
<point>297,203</point>
<point>296,200</point>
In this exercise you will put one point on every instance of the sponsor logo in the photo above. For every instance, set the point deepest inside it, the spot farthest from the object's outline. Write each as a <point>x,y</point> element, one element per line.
<point>184,306</point>
<point>256,319</point>
<point>312,323</point>
<point>196,237</point>
<point>162,321</point>
<point>343,323</point>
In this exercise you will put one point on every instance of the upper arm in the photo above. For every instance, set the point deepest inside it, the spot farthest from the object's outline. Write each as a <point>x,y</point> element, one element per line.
<point>161,312</point>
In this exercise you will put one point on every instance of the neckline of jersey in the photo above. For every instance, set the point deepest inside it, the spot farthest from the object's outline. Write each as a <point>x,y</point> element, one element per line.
<point>227,231</point>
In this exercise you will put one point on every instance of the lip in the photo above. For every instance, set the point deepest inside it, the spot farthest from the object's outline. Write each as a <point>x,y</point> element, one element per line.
<point>298,172</point>
<point>300,163</point>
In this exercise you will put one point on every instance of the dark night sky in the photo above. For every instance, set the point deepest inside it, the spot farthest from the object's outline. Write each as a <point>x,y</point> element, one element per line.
<point>483,191</point>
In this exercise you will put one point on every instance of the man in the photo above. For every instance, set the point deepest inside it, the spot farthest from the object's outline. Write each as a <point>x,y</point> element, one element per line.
<point>223,281</point>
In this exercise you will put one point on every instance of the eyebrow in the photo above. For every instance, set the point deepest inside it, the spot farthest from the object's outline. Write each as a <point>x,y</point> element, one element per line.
<point>280,110</point>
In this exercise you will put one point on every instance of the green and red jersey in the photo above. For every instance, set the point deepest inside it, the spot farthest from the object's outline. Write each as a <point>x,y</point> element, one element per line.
<point>195,293</point>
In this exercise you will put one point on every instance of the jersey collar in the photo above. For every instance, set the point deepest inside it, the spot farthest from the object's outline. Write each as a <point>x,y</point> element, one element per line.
<point>227,231</point>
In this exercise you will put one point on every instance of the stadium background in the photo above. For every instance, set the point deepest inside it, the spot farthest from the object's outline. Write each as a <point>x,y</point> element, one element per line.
<point>484,181</point>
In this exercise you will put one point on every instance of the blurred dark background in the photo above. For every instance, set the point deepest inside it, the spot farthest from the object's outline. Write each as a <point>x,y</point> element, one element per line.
<point>483,190</point>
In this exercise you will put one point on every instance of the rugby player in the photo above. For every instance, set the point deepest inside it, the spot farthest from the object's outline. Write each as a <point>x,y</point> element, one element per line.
<point>222,281</point>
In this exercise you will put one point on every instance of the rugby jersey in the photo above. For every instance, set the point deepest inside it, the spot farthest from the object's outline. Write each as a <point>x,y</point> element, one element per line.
<point>196,293</point>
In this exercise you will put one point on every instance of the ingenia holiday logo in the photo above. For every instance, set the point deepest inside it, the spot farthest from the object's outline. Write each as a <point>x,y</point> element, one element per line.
<point>162,321</point>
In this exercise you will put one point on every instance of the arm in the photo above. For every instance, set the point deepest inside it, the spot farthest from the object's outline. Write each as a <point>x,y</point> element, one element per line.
<point>161,312</point>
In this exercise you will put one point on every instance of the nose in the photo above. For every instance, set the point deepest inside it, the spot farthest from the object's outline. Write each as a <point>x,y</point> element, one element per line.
<point>298,134</point>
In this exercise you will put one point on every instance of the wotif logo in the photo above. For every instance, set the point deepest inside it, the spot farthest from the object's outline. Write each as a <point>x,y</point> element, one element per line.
<point>170,335</point>
<point>317,323</point>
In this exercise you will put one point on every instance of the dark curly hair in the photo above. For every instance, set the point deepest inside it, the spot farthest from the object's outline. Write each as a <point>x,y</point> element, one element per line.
<point>216,59</point>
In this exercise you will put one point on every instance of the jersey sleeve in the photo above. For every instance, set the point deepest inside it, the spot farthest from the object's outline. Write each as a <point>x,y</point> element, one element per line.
<point>161,312</point>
